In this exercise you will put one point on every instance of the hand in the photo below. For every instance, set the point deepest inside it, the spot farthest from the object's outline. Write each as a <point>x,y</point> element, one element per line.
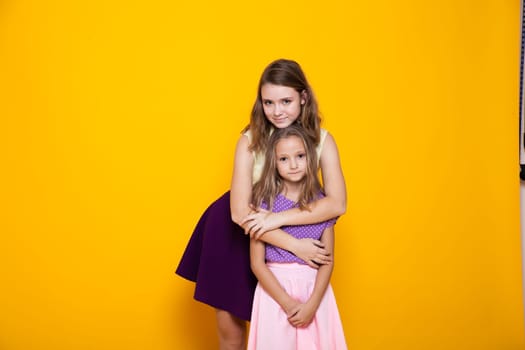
<point>292,307</point>
<point>259,222</point>
<point>312,252</point>
<point>303,316</point>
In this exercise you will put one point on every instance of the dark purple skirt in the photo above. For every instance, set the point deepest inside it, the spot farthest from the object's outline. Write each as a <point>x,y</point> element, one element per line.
<point>217,259</point>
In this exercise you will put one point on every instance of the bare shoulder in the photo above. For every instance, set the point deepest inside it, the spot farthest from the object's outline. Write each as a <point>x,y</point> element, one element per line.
<point>243,140</point>
<point>329,147</point>
<point>243,145</point>
<point>243,156</point>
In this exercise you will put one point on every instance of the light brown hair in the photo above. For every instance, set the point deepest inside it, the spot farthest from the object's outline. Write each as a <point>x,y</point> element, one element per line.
<point>271,184</point>
<point>287,73</point>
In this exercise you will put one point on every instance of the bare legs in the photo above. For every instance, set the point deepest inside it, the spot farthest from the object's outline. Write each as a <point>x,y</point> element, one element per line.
<point>231,330</point>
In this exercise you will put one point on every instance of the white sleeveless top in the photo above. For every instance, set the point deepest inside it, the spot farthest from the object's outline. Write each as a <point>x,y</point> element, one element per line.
<point>258,158</point>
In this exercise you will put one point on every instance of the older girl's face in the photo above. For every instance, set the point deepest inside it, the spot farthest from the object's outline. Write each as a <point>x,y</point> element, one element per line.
<point>281,104</point>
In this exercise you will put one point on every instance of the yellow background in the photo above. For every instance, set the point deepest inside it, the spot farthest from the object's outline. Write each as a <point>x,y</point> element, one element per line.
<point>118,125</point>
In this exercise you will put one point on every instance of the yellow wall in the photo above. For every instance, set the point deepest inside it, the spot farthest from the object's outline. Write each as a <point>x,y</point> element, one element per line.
<point>118,124</point>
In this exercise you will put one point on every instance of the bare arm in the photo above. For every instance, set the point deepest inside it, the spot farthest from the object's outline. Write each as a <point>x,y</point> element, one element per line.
<point>241,186</point>
<point>267,279</point>
<point>240,199</point>
<point>310,250</point>
<point>307,310</point>
<point>331,206</point>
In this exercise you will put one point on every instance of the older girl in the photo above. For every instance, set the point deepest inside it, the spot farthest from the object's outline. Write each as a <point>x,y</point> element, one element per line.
<point>217,255</point>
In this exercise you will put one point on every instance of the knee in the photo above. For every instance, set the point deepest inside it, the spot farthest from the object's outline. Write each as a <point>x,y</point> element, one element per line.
<point>232,331</point>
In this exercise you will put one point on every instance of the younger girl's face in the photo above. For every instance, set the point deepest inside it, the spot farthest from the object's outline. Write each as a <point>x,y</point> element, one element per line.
<point>281,104</point>
<point>291,159</point>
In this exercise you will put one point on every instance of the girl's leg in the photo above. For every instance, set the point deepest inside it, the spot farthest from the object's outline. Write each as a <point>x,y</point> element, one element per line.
<point>231,330</point>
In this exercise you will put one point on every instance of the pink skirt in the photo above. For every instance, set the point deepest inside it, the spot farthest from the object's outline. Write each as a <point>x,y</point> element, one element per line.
<point>269,327</point>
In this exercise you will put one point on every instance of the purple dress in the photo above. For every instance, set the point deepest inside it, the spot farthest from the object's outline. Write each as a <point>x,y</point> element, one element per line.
<point>217,259</point>
<point>314,231</point>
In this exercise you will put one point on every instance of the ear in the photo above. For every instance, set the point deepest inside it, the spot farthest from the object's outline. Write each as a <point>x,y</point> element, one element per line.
<point>304,97</point>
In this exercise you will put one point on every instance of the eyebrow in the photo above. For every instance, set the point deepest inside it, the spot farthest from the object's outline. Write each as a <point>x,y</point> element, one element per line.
<point>294,153</point>
<point>282,98</point>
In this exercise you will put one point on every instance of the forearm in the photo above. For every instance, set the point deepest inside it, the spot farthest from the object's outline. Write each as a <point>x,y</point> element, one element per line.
<point>280,239</point>
<point>311,251</point>
<point>324,273</point>
<point>271,285</point>
<point>239,204</point>
<point>321,283</point>
<point>239,212</point>
<point>266,278</point>
<point>321,210</point>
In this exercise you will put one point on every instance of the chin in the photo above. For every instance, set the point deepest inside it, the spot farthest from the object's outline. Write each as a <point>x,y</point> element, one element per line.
<point>296,179</point>
<point>281,125</point>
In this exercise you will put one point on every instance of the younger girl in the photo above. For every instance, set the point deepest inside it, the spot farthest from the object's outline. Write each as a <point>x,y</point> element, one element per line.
<point>294,306</point>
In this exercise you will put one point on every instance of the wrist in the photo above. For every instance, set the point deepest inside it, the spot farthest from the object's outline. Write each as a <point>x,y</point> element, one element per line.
<point>294,246</point>
<point>288,305</point>
<point>313,303</point>
<point>277,220</point>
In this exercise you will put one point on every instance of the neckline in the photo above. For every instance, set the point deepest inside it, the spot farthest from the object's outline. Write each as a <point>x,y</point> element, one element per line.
<point>287,199</point>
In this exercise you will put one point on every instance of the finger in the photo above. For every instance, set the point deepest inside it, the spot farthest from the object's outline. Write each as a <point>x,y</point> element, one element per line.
<point>322,259</point>
<point>260,233</point>
<point>251,229</point>
<point>324,252</point>
<point>318,244</point>
<point>292,314</point>
<point>246,219</point>
<point>294,322</point>
<point>312,263</point>
<point>246,229</point>
<point>255,232</point>
<point>320,262</point>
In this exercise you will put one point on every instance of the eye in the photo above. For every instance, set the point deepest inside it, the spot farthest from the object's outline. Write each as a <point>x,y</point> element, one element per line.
<point>282,159</point>
<point>301,155</point>
<point>267,102</point>
<point>287,101</point>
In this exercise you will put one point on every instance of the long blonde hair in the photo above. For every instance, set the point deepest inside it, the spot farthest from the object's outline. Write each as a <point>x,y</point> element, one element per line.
<point>271,184</point>
<point>287,73</point>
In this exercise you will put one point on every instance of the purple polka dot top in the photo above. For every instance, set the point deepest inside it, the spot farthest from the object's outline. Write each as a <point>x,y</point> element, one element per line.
<point>315,231</point>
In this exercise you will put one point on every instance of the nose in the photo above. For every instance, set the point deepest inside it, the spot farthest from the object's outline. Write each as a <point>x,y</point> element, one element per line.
<point>293,163</point>
<point>277,110</point>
